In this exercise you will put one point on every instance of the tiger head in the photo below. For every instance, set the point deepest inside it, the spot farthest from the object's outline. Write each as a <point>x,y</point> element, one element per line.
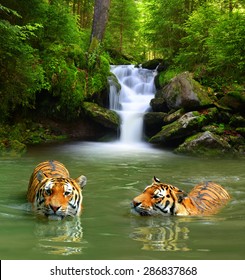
<point>158,198</point>
<point>58,197</point>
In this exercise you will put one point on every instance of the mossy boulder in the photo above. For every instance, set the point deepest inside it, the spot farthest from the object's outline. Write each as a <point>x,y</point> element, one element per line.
<point>235,101</point>
<point>173,116</point>
<point>184,92</point>
<point>176,132</point>
<point>153,122</point>
<point>151,64</point>
<point>159,105</point>
<point>103,116</point>
<point>205,144</point>
<point>190,123</point>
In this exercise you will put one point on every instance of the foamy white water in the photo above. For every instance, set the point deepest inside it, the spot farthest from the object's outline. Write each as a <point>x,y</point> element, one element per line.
<point>133,100</point>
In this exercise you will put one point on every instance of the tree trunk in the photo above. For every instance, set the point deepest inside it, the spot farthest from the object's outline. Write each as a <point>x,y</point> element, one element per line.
<point>101,12</point>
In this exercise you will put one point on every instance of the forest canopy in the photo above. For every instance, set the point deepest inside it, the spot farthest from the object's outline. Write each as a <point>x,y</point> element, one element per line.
<point>48,63</point>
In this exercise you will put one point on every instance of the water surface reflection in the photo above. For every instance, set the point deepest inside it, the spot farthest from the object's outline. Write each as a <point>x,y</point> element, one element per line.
<point>60,237</point>
<point>168,234</point>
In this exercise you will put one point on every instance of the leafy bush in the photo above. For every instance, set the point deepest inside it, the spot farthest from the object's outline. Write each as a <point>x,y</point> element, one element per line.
<point>21,74</point>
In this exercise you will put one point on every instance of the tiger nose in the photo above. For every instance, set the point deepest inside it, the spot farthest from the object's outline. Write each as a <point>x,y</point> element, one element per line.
<point>136,203</point>
<point>55,208</point>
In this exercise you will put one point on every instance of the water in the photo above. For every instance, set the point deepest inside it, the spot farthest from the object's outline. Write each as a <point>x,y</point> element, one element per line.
<point>107,230</point>
<point>137,89</point>
<point>116,173</point>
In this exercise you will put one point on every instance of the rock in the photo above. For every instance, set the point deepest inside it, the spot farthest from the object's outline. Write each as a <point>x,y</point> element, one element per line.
<point>171,117</point>
<point>156,64</point>
<point>159,105</point>
<point>151,64</point>
<point>153,121</point>
<point>237,121</point>
<point>176,132</point>
<point>103,116</point>
<point>204,144</point>
<point>235,102</point>
<point>112,79</point>
<point>184,92</point>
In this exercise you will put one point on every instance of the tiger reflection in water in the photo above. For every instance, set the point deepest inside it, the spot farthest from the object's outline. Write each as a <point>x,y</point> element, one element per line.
<point>60,237</point>
<point>158,235</point>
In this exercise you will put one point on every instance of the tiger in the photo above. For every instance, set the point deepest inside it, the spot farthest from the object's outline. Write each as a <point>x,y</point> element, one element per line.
<point>53,193</point>
<point>160,198</point>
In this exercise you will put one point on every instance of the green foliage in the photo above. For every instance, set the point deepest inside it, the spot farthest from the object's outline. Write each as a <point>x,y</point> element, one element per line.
<point>166,76</point>
<point>8,11</point>
<point>45,52</point>
<point>21,74</point>
<point>122,33</point>
<point>226,46</point>
<point>66,81</point>
<point>46,65</point>
<point>213,47</point>
<point>163,26</point>
<point>13,138</point>
<point>194,50</point>
<point>99,70</point>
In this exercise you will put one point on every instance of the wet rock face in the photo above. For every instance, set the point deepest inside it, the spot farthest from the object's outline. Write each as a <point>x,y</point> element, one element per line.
<point>153,122</point>
<point>159,105</point>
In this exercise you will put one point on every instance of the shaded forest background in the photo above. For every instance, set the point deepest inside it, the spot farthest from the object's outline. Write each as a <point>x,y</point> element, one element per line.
<point>56,54</point>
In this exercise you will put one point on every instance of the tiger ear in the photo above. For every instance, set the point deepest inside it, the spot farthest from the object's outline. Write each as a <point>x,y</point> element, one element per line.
<point>40,176</point>
<point>156,180</point>
<point>81,180</point>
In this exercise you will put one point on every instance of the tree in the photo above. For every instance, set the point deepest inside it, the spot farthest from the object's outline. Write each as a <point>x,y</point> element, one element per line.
<point>226,47</point>
<point>163,26</point>
<point>100,18</point>
<point>194,50</point>
<point>213,47</point>
<point>122,27</point>
<point>42,62</point>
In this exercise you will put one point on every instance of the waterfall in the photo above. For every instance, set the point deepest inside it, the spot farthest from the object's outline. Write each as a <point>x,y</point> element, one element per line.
<point>131,103</point>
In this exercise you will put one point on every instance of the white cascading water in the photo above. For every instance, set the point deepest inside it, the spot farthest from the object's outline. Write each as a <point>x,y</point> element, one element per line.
<point>133,100</point>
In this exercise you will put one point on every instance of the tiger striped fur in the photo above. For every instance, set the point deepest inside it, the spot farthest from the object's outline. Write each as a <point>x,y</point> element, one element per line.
<point>53,193</point>
<point>160,198</point>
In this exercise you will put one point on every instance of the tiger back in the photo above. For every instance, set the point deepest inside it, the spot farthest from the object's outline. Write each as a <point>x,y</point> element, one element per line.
<point>53,193</point>
<point>160,198</point>
<point>206,199</point>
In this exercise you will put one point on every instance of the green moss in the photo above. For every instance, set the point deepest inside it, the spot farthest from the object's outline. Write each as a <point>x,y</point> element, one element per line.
<point>204,144</point>
<point>165,77</point>
<point>15,138</point>
<point>102,115</point>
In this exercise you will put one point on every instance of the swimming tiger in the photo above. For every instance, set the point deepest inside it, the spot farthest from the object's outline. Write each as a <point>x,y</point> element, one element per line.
<point>53,193</point>
<point>160,198</point>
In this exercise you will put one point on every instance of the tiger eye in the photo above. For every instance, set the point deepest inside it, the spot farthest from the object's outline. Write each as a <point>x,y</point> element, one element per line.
<point>67,193</point>
<point>48,192</point>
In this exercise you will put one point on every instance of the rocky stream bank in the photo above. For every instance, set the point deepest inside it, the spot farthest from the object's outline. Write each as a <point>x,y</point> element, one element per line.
<point>192,119</point>
<point>184,116</point>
